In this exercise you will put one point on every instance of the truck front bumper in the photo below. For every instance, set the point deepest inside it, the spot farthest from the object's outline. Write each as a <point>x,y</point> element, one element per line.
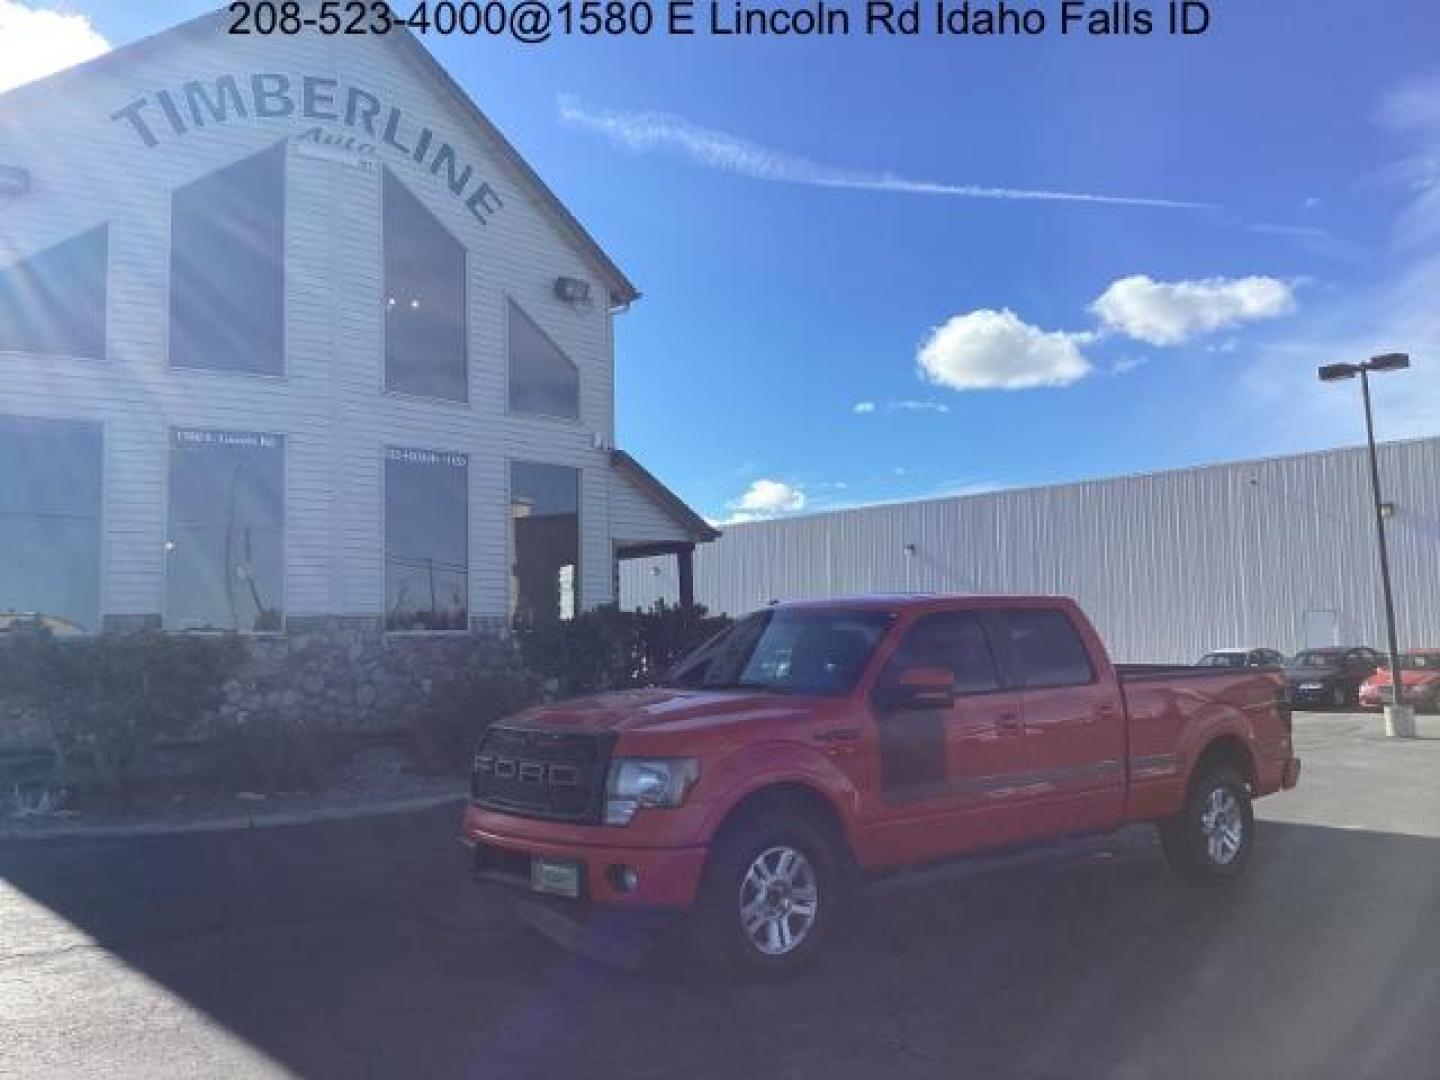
<point>633,877</point>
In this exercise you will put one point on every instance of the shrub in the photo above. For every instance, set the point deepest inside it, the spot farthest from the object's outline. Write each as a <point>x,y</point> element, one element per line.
<point>609,649</point>
<point>271,752</point>
<point>456,707</point>
<point>106,700</point>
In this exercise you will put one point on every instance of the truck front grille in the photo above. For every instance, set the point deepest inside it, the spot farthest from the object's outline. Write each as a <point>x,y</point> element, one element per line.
<point>555,775</point>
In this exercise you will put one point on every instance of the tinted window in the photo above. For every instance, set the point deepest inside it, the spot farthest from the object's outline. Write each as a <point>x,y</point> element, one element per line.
<point>226,546</point>
<point>50,521</point>
<point>227,268</point>
<point>1221,659</point>
<point>542,378</point>
<point>427,580</point>
<point>1046,649</point>
<point>545,518</point>
<point>955,642</point>
<point>424,299</point>
<point>790,651</point>
<point>54,302</point>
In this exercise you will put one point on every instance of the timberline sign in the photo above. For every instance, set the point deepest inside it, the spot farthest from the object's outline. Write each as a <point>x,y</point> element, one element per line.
<point>370,123</point>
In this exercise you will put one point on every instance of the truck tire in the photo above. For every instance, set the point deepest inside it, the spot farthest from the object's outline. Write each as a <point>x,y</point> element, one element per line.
<point>1210,840</point>
<point>769,893</point>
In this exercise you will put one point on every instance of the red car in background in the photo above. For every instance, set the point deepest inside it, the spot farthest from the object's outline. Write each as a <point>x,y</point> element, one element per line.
<point>1419,676</point>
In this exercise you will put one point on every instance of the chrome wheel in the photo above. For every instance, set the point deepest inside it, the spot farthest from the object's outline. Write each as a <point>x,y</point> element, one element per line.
<point>1223,826</point>
<point>779,898</point>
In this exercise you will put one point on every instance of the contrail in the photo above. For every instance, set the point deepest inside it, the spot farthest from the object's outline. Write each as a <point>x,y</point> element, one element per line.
<point>642,131</point>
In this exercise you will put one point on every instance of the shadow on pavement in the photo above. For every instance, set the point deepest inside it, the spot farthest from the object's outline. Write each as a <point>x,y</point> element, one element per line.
<point>360,949</point>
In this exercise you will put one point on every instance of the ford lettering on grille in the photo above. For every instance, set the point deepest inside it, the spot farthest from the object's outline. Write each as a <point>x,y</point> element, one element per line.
<point>560,776</point>
<point>527,772</point>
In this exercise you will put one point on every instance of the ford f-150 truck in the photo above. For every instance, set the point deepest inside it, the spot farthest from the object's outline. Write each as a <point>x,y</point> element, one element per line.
<point>814,743</point>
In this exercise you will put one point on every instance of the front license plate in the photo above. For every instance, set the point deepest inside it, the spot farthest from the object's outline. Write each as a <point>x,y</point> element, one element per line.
<point>1309,686</point>
<point>559,877</point>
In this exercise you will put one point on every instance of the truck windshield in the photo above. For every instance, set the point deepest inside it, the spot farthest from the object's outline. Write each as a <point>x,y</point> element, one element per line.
<point>786,651</point>
<point>1317,659</point>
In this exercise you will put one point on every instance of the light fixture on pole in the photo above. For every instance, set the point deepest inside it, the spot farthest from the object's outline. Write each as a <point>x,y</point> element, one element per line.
<point>1399,717</point>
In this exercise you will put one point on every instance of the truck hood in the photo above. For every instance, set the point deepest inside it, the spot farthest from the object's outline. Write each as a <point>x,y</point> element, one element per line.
<point>650,709</point>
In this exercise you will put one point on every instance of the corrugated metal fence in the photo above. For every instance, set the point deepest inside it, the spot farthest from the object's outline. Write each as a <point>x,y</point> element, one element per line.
<point>1279,552</point>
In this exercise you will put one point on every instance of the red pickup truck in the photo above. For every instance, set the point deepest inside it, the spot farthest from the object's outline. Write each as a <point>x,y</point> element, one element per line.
<point>814,743</point>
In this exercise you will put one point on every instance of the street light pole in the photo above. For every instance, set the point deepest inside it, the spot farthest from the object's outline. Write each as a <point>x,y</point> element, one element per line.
<point>1399,718</point>
<point>1396,684</point>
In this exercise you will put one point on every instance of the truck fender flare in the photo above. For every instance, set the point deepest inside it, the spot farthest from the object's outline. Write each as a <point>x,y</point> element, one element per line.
<point>1222,738</point>
<point>804,767</point>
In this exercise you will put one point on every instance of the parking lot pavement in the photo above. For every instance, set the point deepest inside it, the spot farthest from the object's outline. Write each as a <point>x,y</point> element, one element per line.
<point>359,949</point>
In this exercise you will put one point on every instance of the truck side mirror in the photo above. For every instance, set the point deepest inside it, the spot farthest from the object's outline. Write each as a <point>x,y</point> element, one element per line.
<point>919,688</point>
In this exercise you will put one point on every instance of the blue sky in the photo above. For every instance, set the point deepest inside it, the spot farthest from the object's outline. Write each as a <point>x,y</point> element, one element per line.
<point>832,317</point>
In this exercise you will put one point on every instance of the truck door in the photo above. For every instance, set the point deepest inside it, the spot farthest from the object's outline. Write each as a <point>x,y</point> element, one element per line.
<point>1074,722</point>
<point>955,765</point>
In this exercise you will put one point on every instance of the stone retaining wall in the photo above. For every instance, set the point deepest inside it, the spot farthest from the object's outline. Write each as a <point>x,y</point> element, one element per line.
<point>341,673</point>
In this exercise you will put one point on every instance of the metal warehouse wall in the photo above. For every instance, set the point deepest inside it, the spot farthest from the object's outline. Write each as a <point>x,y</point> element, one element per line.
<point>1278,552</point>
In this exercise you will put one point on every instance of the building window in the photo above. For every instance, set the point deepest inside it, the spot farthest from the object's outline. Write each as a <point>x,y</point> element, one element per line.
<point>542,378</point>
<point>424,300</point>
<point>545,518</point>
<point>427,537</point>
<point>227,268</point>
<point>226,549</point>
<point>50,521</point>
<point>53,303</point>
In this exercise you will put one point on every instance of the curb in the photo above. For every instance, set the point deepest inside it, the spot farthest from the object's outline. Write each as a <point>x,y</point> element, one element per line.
<point>234,823</point>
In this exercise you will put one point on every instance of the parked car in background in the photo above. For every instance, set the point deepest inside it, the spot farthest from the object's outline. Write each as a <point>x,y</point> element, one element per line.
<point>814,743</point>
<point>1419,676</point>
<point>1331,677</point>
<point>1237,658</point>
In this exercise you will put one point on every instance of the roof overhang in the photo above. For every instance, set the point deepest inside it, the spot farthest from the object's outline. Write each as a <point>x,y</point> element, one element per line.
<point>700,530</point>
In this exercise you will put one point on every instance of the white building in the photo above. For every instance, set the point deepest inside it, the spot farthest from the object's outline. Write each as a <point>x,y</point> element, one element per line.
<point>289,331</point>
<point>1278,553</point>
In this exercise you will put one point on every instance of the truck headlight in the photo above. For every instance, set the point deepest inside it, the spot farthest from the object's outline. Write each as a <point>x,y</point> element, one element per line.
<point>649,782</point>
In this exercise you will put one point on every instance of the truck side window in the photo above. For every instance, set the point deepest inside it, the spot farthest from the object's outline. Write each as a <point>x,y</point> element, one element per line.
<point>1047,651</point>
<point>953,641</point>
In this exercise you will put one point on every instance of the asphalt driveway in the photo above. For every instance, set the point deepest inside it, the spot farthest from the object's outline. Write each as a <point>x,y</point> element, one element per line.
<point>360,949</point>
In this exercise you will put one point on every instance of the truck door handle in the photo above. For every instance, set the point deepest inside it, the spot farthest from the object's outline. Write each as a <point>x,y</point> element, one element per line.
<point>1008,721</point>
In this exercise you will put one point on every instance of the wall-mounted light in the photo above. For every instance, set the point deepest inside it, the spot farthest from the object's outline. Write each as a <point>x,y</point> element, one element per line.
<point>572,290</point>
<point>1387,510</point>
<point>14,181</point>
<point>910,549</point>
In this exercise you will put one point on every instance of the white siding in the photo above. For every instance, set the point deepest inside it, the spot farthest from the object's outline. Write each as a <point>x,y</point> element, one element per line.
<point>329,404</point>
<point>636,519</point>
<point>1168,565</point>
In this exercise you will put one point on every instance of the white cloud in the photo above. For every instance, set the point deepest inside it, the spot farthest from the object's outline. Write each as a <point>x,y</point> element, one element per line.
<point>906,405</point>
<point>36,41</point>
<point>766,499</point>
<point>644,131</point>
<point>995,350</point>
<point>1171,313</point>
<point>919,406</point>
